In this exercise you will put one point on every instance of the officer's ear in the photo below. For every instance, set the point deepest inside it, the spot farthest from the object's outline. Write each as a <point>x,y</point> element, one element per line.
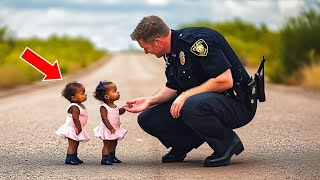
<point>157,41</point>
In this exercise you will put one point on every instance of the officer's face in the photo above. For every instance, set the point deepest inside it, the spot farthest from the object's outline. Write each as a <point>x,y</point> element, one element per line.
<point>153,47</point>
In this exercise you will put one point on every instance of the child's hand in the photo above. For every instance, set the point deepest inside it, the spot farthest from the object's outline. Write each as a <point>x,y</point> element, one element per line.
<point>128,106</point>
<point>112,131</point>
<point>78,131</point>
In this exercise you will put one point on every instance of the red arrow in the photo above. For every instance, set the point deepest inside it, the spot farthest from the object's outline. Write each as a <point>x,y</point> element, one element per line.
<point>51,72</point>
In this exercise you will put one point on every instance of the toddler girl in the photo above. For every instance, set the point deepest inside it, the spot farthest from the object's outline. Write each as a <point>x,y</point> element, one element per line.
<point>75,121</point>
<point>109,129</point>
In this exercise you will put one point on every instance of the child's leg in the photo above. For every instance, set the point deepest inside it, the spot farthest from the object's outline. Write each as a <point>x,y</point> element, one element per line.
<point>106,149</point>
<point>76,154</point>
<point>113,146</point>
<point>114,159</point>
<point>73,145</point>
<point>77,146</point>
<point>72,149</point>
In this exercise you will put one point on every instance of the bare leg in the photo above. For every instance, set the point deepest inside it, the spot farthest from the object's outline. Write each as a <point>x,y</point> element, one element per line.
<point>114,159</point>
<point>71,152</point>
<point>114,145</point>
<point>107,147</point>
<point>106,150</point>
<point>76,154</point>
<point>73,145</point>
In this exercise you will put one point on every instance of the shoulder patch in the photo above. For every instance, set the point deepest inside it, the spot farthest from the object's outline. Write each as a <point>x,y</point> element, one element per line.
<point>200,48</point>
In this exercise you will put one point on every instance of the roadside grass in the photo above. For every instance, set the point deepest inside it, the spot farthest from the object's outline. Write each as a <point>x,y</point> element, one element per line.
<point>72,54</point>
<point>311,77</point>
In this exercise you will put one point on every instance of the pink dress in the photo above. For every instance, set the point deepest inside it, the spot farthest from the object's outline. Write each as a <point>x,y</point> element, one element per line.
<point>103,132</point>
<point>68,129</point>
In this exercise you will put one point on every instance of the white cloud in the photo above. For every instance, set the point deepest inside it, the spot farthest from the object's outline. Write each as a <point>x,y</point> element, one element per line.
<point>272,13</point>
<point>56,14</point>
<point>105,32</point>
<point>108,23</point>
<point>96,1</point>
<point>291,7</point>
<point>158,2</point>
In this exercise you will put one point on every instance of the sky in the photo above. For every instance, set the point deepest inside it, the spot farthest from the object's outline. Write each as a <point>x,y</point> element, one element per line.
<point>109,23</point>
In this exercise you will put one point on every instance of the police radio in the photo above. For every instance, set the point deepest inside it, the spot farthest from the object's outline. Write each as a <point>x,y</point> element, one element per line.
<point>253,90</point>
<point>259,79</point>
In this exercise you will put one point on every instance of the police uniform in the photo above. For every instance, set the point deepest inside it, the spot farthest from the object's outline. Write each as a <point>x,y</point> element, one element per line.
<point>198,54</point>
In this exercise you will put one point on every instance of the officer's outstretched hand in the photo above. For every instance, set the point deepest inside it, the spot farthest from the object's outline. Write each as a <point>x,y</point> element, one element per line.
<point>177,106</point>
<point>138,105</point>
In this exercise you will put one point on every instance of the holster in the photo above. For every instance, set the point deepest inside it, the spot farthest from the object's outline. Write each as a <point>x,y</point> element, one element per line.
<point>251,91</point>
<point>251,94</point>
<point>246,94</point>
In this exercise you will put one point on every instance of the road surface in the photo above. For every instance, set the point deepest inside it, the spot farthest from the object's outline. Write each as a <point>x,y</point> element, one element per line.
<point>281,142</point>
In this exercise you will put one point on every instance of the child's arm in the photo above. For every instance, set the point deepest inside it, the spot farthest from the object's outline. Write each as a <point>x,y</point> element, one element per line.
<point>122,110</point>
<point>75,111</point>
<point>104,117</point>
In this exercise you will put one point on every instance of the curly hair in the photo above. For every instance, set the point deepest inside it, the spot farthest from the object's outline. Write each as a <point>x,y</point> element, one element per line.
<point>70,90</point>
<point>101,90</point>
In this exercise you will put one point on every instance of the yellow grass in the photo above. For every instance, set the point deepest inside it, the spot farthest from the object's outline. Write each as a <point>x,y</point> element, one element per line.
<point>10,76</point>
<point>311,77</point>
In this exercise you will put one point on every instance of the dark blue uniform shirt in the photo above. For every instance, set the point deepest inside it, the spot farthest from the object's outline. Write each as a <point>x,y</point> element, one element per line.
<point>198,54</point>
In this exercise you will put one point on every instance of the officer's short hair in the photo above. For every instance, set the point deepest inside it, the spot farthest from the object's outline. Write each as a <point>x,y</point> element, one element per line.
<point>149,28</point>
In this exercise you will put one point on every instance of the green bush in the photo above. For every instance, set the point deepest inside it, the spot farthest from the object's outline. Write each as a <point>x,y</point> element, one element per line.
<point>71,53</point>
<point>300,40</point>
<point>249,42</point>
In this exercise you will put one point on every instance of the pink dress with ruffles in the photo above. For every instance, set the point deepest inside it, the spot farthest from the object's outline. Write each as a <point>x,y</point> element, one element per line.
<point>103,132</point>
<point>68,129</point>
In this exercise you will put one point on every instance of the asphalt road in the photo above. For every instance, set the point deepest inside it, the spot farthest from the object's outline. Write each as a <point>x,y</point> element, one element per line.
<point>281,142</point>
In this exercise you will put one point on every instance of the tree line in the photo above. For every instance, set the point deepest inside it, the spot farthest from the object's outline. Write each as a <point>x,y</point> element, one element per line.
<point>73,53</point>
<point>293,52</point>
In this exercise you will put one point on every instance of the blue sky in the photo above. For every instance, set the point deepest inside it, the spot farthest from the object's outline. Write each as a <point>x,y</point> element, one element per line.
<point>109,23</point>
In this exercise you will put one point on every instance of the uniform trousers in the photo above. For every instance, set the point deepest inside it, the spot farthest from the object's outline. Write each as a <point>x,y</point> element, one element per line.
<point>206,117</point>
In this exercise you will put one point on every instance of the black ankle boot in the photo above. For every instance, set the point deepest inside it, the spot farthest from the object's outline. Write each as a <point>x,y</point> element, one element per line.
<point>173,156</point>
<point>70,159</point>
<point>106,160</point>
<point>77,159</point>
<point>114,159</point>
<point>224,159</point>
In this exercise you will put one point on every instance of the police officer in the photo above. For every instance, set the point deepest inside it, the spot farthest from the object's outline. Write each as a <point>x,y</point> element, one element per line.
<point>198,103</point>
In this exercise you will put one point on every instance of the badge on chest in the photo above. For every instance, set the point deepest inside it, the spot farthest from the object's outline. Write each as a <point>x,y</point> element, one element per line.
<point>182,58</point>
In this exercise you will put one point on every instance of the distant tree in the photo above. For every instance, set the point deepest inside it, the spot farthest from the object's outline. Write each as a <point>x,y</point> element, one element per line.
<point>249,41</point>
<point>300,39</point>
<point>7,43</point>
<point>2,33</point>
<point>73,54</point>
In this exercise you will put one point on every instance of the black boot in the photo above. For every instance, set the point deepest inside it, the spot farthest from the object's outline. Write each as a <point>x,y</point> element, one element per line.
<point>70,159</point>
<point>173,156</point>
<point>106,160</point>
<point>77,159</point>
<point>114,159</point>
<point>223,160</point>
